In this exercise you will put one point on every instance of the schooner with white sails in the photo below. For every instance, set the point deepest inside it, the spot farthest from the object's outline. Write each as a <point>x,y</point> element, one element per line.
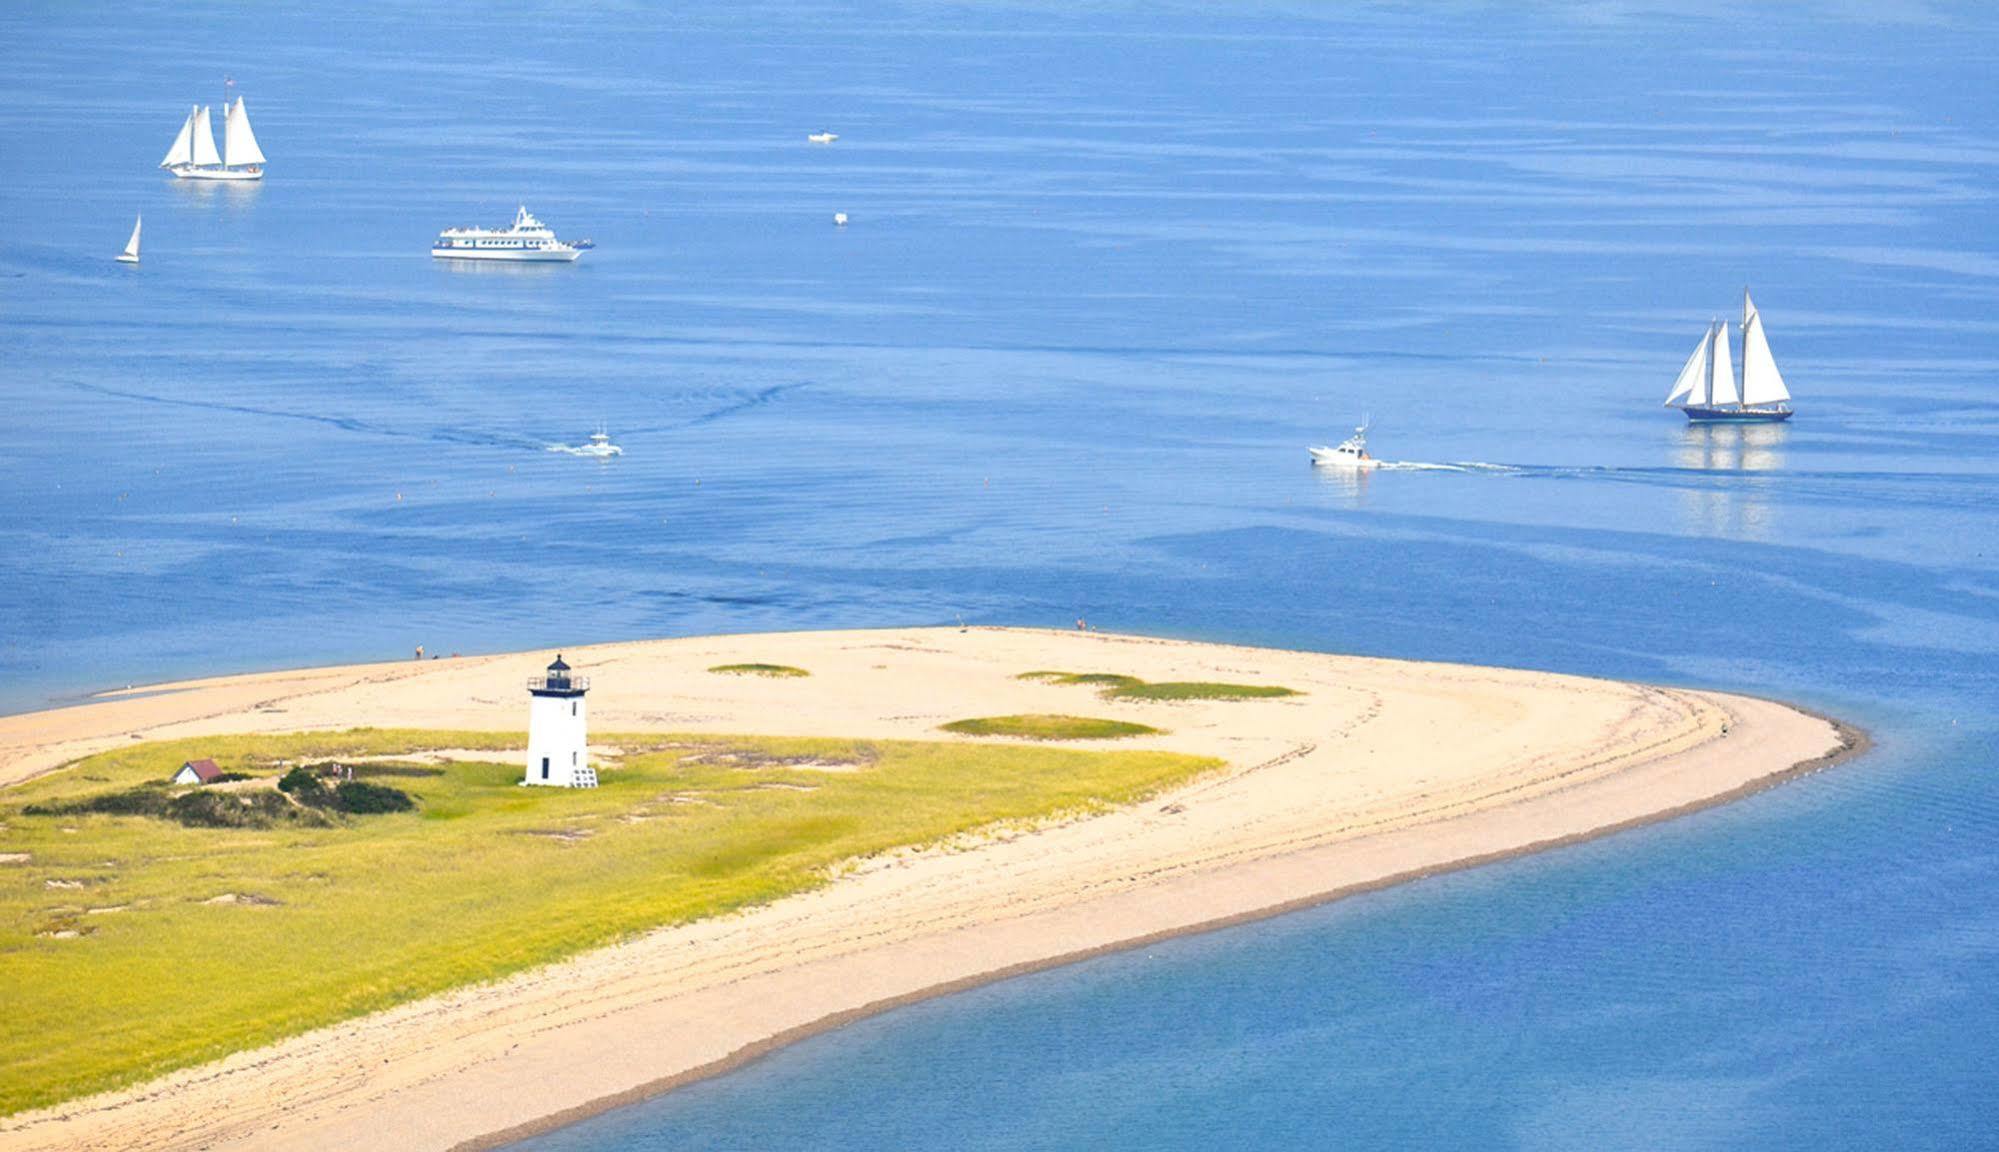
<point>1707,389</point>
<point>193,155</point>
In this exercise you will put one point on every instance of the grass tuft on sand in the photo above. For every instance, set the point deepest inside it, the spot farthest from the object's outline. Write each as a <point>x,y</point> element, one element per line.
<point>1048,726</point>
<point>1198,690</point>
<point>232,938</point>
<point>1119,687</point>
<point>774,671</point>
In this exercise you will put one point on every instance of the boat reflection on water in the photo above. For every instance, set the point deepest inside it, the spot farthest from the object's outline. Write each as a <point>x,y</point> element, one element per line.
<point>1734,501</point>
<point>1349,484</point>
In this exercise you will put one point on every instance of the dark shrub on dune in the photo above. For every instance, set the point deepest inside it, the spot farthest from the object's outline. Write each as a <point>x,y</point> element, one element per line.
<point>364,799</point>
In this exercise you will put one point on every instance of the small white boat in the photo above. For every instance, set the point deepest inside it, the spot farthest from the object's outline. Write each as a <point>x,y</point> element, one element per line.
<point>193,155</point>
<point>839,219</point>
<point>528,239</point>
<point>823,137</point>
<point>131,253</point>
<point>1350,453</point>
<point>599,447</point>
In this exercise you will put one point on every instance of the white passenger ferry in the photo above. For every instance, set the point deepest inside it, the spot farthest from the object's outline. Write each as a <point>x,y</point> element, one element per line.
<point>528,239</point>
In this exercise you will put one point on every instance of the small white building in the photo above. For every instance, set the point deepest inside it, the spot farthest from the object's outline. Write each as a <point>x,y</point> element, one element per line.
<point>558,730</point>
<point>197,772</point>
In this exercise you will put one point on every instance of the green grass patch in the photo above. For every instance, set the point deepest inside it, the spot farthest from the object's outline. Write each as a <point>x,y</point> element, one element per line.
<point>1198,690</point>
<point>1046,726</point>
<point>131,946</point>
<point>1100,679</point>
<point>775,671</point>
<point>1118,687</point>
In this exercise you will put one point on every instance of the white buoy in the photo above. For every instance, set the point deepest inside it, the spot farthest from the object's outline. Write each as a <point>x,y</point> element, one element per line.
<point>840,219</point>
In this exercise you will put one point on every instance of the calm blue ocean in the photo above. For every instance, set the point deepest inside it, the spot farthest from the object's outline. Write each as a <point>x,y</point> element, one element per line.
<point>1110,270</point>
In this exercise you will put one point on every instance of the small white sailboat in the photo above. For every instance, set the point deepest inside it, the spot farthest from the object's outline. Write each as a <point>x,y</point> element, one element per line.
<point>823,137</point>
<point>131,253</point>
<point>1349,454</point>
<point>193,155</point>
<point>1707,389</point>
<point>839,219</point>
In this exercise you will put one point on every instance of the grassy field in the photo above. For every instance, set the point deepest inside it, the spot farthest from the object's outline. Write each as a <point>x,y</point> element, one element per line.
<point>774,671</point>
<point>1117,687</point>
<point>132,945</point>
<point>1047,726</point>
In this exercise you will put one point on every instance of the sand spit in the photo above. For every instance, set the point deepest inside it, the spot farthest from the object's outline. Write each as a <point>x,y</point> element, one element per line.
<point>1380,772</point>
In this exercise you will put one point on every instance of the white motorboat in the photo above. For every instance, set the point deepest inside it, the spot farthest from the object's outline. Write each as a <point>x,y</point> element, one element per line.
<point>823,137</point>
<point>528,239</point>
<point>193,155</point>
<point>131,253</point>
<point>600,446</point>
<point>1349,454</point>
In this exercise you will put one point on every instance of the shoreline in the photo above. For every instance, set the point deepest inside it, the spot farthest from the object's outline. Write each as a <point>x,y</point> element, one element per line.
<point>1301,816</point>
<point>1855,742</point>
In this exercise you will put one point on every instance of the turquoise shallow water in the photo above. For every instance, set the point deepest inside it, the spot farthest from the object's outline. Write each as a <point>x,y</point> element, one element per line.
<point>1108,274</point>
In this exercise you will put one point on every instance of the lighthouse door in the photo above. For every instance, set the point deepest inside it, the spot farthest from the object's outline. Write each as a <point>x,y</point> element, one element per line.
<point>544,767</point>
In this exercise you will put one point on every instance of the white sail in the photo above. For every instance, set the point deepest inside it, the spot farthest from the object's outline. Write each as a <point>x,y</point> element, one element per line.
<point>1748,308</point>
<point>183,150</point>
<point>239,144</point>
<point>1761,382</point>
<point>204,139</point>
<point>1690,388</point>
<point>132,245</point>
<point>1721,370</point>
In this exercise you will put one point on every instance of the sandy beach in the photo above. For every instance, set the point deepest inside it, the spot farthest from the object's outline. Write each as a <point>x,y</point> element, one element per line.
<point>1379,772</point>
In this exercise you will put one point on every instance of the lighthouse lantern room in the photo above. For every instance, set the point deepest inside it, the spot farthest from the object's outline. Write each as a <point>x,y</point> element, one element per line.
<point>558,730</point>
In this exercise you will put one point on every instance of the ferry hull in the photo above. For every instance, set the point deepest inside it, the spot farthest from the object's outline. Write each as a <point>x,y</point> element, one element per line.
<point>514,255</point>
<point>186,172</point>
<point>1737,415</point>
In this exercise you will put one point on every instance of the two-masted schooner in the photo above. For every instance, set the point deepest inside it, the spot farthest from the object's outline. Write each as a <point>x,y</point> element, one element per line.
<point>193,156</point>
<point>1707,390</point>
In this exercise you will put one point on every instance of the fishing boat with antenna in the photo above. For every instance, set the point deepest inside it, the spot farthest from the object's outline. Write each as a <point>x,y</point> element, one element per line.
<point>1349,454</point>
<point>1707,389</point>
<point>193,155</point>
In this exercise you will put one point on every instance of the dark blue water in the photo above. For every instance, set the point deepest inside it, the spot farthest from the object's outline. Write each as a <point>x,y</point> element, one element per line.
<point>1109,272</point>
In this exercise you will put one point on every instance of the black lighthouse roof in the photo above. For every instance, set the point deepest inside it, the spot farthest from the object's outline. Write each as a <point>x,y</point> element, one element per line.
<point>559,682</point>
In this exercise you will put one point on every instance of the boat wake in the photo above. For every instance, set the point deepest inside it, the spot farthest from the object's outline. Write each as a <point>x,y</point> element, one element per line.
<point>1458,466</point>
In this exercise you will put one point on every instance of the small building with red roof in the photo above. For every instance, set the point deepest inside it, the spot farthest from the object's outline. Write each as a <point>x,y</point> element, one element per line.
<point>202,771</point>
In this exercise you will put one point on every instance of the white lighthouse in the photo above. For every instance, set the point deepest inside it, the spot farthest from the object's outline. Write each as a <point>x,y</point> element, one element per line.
<point>558,730</point>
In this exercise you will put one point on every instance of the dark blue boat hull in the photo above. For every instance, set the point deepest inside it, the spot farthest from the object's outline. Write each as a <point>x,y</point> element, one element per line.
<point>1737,415</point>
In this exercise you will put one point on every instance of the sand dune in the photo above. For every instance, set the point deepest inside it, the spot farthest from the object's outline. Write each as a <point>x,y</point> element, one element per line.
<point>1381,771</point>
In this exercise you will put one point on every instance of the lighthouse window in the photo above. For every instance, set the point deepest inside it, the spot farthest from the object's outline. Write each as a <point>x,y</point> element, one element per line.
<point>544,767</point>
<point>572,707</point>
<point>572,759</point>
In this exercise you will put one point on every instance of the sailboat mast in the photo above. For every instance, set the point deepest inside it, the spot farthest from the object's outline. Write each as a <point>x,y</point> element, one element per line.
<point>1741,395</point>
